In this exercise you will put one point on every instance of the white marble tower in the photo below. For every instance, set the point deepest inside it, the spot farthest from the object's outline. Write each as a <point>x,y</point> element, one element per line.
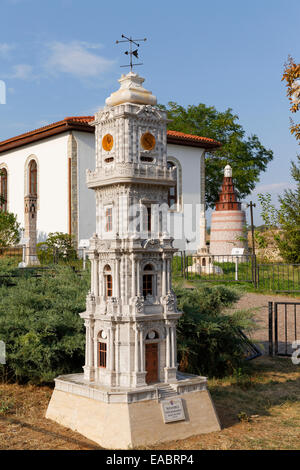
<point>131,393</point>
<point>131,310</point>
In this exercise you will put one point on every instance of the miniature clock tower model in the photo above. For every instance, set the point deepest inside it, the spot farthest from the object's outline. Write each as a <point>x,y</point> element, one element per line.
<point>131,392</point>
<point>131,311</point>
<point>228,220</point>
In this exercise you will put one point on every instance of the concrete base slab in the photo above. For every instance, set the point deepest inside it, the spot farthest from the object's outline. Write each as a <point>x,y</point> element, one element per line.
<point>129,425</point>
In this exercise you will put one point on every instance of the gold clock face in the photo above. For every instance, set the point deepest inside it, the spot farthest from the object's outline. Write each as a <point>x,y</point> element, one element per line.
<point>107,142</point>
<point>148,141</point>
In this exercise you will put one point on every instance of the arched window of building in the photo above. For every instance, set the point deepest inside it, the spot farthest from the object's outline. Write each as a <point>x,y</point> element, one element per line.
<point>108,281</point>
<point>175,193</point>
<point>32,170</point>
<point>102,349</point>
<point>172,195</point>
<point>148,276</point>
<point>3,189</point>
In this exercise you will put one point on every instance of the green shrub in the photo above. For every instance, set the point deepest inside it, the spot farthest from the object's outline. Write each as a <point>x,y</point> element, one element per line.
<point>9,229</point>
<point>45,336</point>
<point>58,247</point>
<point>208,340</point>
<point>40,325</point>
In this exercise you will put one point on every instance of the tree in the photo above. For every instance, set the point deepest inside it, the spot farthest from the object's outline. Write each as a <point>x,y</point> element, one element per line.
<point>288,215</point>
<point>287,218</point>
<point>247,156</point>
<point>58,244</point>
<point>9,229</point>
<point>291,75</point>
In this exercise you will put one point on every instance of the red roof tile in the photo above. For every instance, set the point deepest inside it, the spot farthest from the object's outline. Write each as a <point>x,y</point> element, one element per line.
<point>181,136</point>
<point>83,123</point>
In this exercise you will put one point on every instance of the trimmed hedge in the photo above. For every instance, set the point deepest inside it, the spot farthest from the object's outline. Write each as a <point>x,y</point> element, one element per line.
<point>208,340</point>
<point>45,336</point>
<point>40,325</point>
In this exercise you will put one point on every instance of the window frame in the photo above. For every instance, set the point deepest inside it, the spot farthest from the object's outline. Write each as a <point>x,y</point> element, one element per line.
<point>177,196</point>
<point>173,197</point>
<point>108,281</point>
<point>32,177</point>
<point>102,354</point>
<point>148,280</point>
<point>4,188</point>
<point>108,226</point>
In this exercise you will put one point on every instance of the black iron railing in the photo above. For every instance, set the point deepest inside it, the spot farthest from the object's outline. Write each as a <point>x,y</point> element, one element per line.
<point>278,277</point>
<point>284,327</point>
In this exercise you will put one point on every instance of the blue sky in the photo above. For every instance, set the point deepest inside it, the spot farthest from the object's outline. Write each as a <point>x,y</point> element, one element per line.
<point>58,58</point>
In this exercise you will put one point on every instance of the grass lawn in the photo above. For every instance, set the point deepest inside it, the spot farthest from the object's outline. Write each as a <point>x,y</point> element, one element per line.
<point>257,410</point>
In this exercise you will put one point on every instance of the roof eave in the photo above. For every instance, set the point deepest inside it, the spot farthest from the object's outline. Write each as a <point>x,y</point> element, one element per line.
<point>192,143</point>
<point>44,134</point>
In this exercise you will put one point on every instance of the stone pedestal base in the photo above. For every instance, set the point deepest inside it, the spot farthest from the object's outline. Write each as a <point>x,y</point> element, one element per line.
<point>32,260</point>
<point>198,268</point>
<point>139,379</point>
<point>170,374</point>
<point>89,373</point>
<point>121,420</point>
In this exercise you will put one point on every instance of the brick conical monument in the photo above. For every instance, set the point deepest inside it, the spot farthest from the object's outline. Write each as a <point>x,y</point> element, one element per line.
<point>228,221</point>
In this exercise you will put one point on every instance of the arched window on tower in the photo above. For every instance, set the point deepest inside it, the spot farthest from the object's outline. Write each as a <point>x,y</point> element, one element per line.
<point>108,281</point>
<point>32,170</point>
<point>102,349</point>
<point>148,284</point>
<point>173,191</point>
<point>3,189</point>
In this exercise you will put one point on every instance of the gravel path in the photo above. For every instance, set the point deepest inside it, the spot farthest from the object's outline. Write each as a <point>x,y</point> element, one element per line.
<point>259,302</point>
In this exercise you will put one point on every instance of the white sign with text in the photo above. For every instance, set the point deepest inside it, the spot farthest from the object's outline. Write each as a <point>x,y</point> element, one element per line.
<point>172,410</point>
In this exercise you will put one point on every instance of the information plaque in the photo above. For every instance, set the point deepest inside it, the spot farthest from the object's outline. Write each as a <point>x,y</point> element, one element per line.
<point>173,410</point>
<point>237,251</point>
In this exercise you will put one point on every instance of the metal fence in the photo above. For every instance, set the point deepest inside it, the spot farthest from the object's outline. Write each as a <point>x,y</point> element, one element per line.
<point>284,327</point>
<point>251,350</point>
<point>12,252</point>
<point>75,258</point>
<point>225,268</point>
<point>278,277</point>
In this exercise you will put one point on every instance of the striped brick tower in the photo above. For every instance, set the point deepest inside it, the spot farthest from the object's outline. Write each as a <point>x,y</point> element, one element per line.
<point>228,220</point>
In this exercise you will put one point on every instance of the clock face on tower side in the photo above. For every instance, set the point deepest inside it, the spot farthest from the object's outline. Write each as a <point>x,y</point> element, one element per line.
<point>148,141</point>
<point>107,142</point>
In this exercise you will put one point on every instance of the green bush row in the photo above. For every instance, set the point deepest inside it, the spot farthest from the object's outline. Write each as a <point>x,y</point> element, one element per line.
<point>45,336</point>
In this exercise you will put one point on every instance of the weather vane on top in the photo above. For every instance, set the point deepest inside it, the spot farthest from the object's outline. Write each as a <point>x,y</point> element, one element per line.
<point>131,52</point>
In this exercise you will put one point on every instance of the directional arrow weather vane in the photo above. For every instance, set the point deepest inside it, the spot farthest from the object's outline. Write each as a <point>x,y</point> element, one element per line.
<point>131,52</point>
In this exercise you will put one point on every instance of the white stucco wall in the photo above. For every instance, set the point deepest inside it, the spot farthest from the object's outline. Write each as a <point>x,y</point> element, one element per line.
<point>86,197</point>
<point>51,156</point>
<point>53,204</point>
<point>186,221</point>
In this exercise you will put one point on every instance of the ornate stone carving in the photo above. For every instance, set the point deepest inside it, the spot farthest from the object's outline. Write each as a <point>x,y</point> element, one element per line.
<point>138,304</point>
<point>169,301</point>
<point>150,242</point>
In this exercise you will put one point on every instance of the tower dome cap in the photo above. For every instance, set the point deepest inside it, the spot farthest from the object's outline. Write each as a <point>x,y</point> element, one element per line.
<point>228,171</point>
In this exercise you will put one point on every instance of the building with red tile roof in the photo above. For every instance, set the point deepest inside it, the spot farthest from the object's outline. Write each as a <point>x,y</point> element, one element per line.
<point>65,149</point>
